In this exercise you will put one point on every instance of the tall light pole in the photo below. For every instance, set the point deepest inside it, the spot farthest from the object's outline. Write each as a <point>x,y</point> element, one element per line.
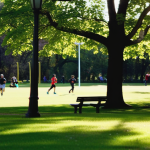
<point>18,71</point>
<point>39,72</point>
<point>79,69</point>
<point>33,100</point>
<point>29,72</point>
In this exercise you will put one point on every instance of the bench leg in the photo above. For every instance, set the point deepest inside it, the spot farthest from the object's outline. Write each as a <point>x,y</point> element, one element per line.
<point>80,109</point>
<point>97,109</point>
<point>75,109</point>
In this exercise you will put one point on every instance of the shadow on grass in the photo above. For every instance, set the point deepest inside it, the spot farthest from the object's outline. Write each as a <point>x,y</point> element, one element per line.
<point>140,108</point>
<point>141,92</point>
<point>134,84</point>
<point>59,128</point>
<point>66,132</point>
<point>133,113</point>
<point>72,138</point>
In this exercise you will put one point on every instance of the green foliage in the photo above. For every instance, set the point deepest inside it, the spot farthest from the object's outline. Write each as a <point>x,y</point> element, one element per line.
<point>16,21</point>
<point>135,8</point>
<point>17,24</point>
<point>17,27</point>
<point>137,50</point>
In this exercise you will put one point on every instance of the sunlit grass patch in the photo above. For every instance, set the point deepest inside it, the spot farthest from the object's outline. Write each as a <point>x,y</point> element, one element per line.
<point>107,130</point>
<point>59,128</point>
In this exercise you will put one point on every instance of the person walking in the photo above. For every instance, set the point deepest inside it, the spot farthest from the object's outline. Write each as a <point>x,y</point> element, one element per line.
<point>45,79</point>
<point>63,79</point>
<point>146,78</point>
<point>2,84</point>
<point>72,80</point>
<point>53,81</point>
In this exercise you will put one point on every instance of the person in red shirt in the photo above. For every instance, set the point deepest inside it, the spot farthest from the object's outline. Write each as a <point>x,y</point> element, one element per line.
<point>146,78</point>
<point>53,81</point>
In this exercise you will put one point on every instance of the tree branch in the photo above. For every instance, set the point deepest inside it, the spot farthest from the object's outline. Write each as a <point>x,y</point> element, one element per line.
<point>123,6</point>
<point>94,19</point>
<point>139,23</point>
<point>25,58</point>
<point>86,34</point>
<point>111,10</point>
<point>12,25</point>
<point>141,36</point>
<point>63,61</point>
<point>63,0</point>
<point>43,28</point>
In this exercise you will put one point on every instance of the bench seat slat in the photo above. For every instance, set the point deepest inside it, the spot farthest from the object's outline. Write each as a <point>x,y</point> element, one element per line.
<point>80,105</point>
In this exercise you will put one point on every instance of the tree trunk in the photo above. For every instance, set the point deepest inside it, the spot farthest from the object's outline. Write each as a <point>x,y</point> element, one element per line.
<point>115,77</point>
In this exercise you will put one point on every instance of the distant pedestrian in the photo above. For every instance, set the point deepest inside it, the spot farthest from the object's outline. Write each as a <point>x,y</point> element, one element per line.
<point>63,79</point>
<point>53,81</point>
<point>146,78</point>
<point>45,79</point>
<point>101,78</point>
<point>72,80</point>
<point>2,84</point>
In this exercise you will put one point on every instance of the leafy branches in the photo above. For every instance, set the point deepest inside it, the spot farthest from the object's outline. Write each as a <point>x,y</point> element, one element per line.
<point>139,22</point>
<point>86,34</point>
<point>66,21</point>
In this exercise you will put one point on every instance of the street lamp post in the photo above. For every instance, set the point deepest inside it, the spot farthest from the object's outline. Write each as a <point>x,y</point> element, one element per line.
<point>79,62</point>
<point>33,99</point>
<point>29,72</point>
<point>18,71</point>
<point>39,72</point>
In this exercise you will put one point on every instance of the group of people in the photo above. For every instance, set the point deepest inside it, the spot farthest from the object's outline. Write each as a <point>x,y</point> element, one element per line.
<point>72,80</point>
<point>14,82</point>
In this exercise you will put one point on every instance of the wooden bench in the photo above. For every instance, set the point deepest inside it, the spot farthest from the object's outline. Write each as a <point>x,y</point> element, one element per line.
<point>98,99</point>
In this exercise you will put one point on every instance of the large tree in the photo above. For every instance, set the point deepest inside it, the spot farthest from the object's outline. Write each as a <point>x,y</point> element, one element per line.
<point>62,22</point>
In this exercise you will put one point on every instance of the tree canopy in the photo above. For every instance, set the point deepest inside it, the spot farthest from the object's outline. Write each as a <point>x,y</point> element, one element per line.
<point>17,24</point>
<point>82,21</point>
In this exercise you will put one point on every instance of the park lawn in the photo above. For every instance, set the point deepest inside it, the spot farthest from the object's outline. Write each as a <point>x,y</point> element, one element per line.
<point>26,84</point>
<point>59,128</point>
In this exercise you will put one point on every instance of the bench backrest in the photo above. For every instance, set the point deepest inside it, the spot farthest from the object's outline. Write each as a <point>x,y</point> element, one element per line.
<point>95,98</point>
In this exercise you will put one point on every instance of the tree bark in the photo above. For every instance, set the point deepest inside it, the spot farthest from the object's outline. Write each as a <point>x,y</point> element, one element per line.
<point>115,77</point>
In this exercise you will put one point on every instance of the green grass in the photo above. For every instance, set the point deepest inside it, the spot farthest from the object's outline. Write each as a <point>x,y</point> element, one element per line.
<point>25,84</point>
<point>59,128</point>
<point>58,84</point>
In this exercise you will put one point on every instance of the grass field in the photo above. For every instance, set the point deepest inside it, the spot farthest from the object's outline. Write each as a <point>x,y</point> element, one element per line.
<point>59,128</point>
